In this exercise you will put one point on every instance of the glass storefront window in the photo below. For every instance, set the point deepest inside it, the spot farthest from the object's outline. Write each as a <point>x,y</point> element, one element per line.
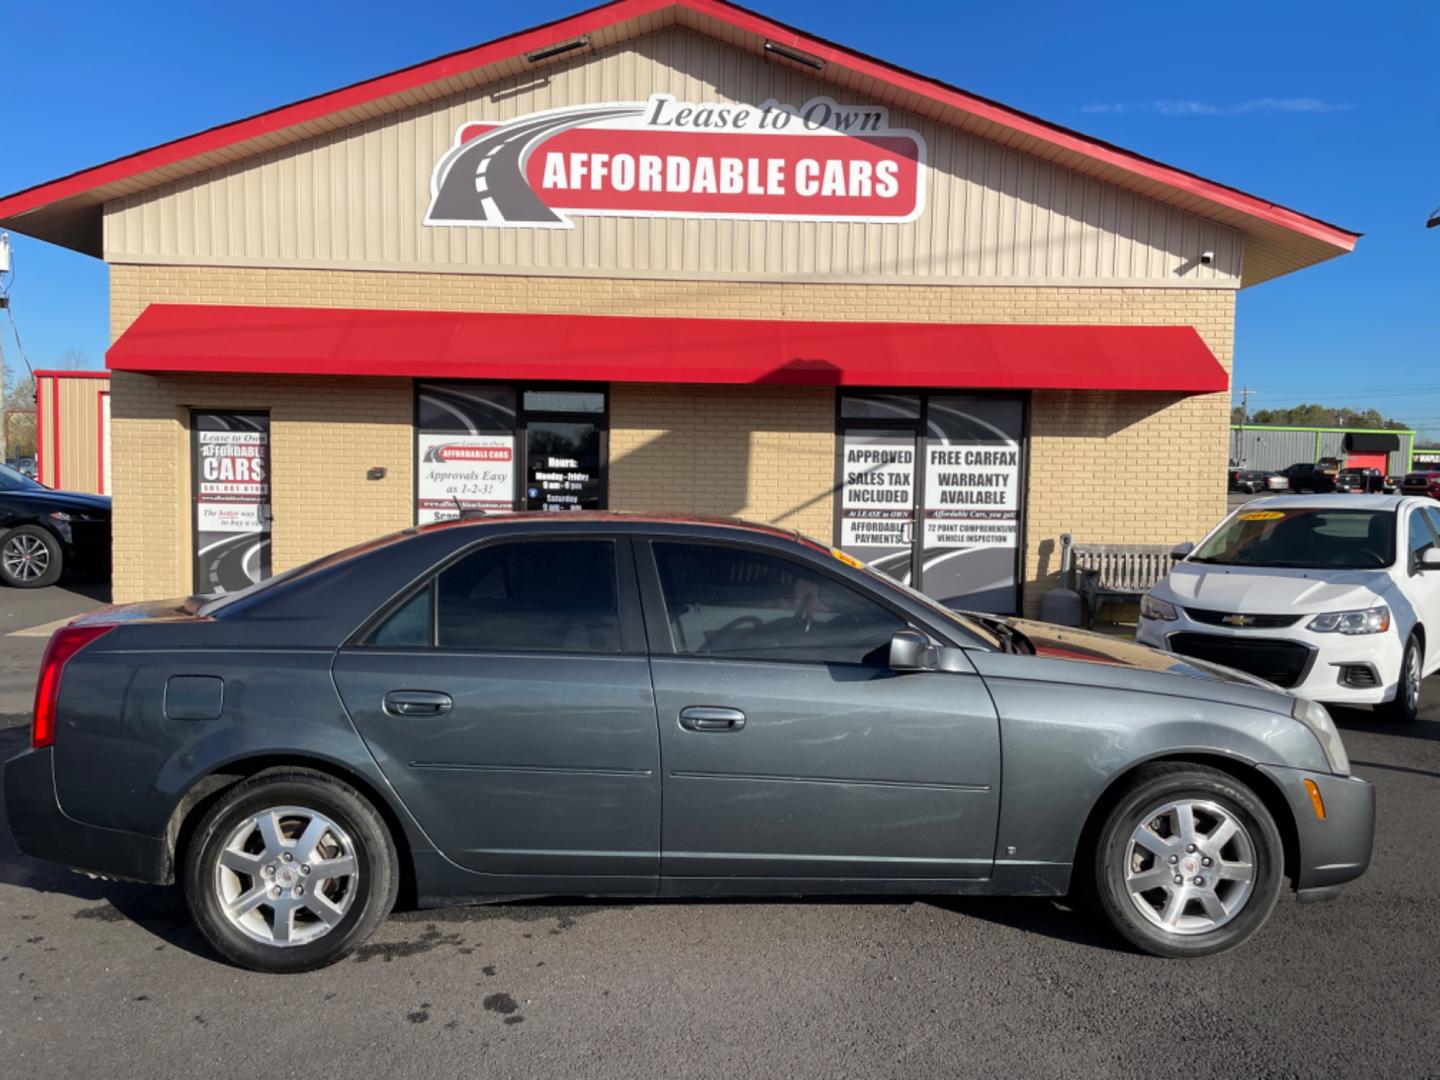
<point>499,448</point>
<point>880,407</point>
<point>580,401</point>
<point>930,492</point>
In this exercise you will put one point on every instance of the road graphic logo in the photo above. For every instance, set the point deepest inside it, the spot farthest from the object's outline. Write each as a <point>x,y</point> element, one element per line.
<point>822,161</point>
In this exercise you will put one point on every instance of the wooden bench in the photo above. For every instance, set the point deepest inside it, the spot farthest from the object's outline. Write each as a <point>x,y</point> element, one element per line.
<point>1101,573</point>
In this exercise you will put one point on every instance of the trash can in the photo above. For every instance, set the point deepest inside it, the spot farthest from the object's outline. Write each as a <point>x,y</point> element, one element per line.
<point>1062,606</point>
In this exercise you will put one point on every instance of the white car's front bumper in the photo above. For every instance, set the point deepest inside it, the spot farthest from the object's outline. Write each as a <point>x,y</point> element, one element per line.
<point>1323,670</point>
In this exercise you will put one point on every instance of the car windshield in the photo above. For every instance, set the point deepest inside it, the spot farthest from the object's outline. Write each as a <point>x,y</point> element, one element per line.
<point>1303,538</point>
<point>14,480</point>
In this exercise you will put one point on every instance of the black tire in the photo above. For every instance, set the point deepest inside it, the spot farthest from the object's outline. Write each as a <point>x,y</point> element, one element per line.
<point>374,854</point>
<point>1152,787</point>
<point>1405,708</point>
<point>41,542</point>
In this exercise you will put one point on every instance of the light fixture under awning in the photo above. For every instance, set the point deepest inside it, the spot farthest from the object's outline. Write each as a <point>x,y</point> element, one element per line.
<point>619,348</point>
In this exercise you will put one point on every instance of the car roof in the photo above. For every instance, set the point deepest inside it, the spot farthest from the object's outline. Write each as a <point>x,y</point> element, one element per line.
<point>626,518</point>
<point>1334,502</point>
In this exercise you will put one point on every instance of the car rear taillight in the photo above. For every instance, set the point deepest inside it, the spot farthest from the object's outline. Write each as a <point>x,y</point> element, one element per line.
<point>64,643</point>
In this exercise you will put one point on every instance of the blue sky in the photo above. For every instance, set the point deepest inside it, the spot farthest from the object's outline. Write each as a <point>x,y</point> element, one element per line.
<point>1330,108</point>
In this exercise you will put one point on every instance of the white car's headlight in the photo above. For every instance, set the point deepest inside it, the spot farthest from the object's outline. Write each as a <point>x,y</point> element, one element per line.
<point>1375,620</point>
<point>1151,608</point>
<point>1315,717</point>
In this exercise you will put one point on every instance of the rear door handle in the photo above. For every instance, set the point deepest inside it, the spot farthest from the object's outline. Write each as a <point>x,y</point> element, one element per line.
<point>711,718</point>
<point>417,703</point>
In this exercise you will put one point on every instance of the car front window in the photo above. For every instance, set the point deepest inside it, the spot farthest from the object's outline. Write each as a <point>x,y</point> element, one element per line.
<point>1303,538</point>
<point>744,604</point>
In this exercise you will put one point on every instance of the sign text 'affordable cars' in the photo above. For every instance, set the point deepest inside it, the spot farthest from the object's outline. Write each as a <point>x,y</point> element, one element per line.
<point>822,161</point>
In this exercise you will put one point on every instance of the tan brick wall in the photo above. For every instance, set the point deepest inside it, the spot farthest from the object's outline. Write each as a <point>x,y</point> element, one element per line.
<point>765,453</point>
<point>671,447</point>
<point>324,434</point>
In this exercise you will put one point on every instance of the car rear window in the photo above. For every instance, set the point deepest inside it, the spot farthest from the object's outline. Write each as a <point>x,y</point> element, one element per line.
<point>231,604</point>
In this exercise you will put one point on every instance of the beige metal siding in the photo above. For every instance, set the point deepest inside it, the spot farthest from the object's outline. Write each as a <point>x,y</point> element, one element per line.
<point>355,198</point>
<point>68,407</point>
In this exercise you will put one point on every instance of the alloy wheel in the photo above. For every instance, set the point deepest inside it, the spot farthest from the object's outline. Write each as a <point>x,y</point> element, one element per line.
<point>1189,866</point>
<point>1411,689</point>
<point>286,876</point>
<point>25,558</point>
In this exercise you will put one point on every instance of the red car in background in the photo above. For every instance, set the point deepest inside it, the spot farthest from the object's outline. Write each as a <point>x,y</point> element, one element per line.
<point>1422,483</point>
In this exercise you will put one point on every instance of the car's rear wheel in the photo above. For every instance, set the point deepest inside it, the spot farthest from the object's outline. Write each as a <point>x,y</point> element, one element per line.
<point>1405,708</point>
<point>30,558</point>
<point>1188,862</point>
<point>289,871</point>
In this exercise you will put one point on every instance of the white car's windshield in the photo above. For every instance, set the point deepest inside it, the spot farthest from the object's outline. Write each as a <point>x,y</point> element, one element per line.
<point>1303,538</point>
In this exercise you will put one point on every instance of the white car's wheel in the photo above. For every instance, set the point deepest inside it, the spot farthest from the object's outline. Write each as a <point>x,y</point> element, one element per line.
<point>1406,707</point>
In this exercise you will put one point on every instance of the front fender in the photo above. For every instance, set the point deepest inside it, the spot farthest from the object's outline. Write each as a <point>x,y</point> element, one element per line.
<point>1063,746</point>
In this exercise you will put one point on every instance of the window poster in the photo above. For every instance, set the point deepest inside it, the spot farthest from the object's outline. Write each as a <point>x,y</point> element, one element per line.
<point>464,450</point>
<point>231,482</point>
<point>877,501</point>
<point>973,461</point>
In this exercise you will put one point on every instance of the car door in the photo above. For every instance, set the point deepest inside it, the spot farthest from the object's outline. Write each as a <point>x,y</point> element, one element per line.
<point>790,750</point>
<point>1423,586</point>
<point>508,701</point>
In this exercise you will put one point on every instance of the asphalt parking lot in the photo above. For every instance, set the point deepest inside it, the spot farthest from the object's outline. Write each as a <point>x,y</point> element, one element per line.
<point>109,979</point>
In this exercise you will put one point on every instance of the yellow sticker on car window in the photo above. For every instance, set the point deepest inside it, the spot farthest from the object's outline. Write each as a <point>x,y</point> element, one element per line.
<point>848,560</point>
<point>1262,515</point>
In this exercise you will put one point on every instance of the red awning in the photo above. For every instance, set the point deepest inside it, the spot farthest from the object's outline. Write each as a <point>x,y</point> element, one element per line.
<point>613,348</point>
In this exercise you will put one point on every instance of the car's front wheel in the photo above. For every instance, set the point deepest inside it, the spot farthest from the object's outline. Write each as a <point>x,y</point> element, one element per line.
<point>30,557</point>
<point>289,871</point>
<point>1188,862</point>
<point>1405,708</point>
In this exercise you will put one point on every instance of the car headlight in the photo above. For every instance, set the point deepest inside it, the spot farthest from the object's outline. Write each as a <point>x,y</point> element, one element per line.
<point>1151,608</point>
<point>1375,620</point>
<point>1315,717</point>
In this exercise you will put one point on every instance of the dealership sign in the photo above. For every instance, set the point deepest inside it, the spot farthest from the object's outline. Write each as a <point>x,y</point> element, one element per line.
<point>822,161</point>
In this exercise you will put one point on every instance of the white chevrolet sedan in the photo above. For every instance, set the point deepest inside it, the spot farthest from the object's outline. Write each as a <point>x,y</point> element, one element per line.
<point>1336,597</point>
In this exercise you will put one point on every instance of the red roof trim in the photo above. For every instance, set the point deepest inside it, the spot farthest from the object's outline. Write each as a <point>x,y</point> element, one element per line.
<point>61,374</point>
<point>620,10</point>
<point>622,348</point>
<point>333,101</point>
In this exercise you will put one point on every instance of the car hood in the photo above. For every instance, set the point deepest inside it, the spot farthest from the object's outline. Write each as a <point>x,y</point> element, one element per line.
<point>46,501</point>
<point>1082,657</point>
<point>1266,591</point>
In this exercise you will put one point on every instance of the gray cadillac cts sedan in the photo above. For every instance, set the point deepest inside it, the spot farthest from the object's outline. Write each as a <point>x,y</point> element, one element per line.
<point>602,704</point>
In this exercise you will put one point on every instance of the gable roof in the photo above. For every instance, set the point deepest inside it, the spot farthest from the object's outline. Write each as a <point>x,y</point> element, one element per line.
<point>67,211</point>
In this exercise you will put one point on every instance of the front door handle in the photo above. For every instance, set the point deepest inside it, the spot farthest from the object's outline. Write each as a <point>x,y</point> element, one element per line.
<point>711,718</point>
<point>417,703</point>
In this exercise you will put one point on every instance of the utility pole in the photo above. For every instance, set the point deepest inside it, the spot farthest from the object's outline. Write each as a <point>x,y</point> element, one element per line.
<point>1245,393</point>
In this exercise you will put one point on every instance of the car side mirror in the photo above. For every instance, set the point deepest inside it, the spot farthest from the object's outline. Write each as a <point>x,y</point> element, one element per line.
<point>911,650</point>
<point>1179,551</point>
<point>1429,560</point>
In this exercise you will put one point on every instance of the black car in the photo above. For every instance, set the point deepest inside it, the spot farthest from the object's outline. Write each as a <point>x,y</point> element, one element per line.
<point>1254,481</point>
<point>45,533</point>
<point>1366,481</point>
<point>1307,477</point>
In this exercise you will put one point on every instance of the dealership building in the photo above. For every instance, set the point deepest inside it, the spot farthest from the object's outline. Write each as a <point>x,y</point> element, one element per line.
<point>664,255</point>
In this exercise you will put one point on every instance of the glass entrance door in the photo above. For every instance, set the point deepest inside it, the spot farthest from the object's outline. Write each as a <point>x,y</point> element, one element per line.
<point>230,482</point>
